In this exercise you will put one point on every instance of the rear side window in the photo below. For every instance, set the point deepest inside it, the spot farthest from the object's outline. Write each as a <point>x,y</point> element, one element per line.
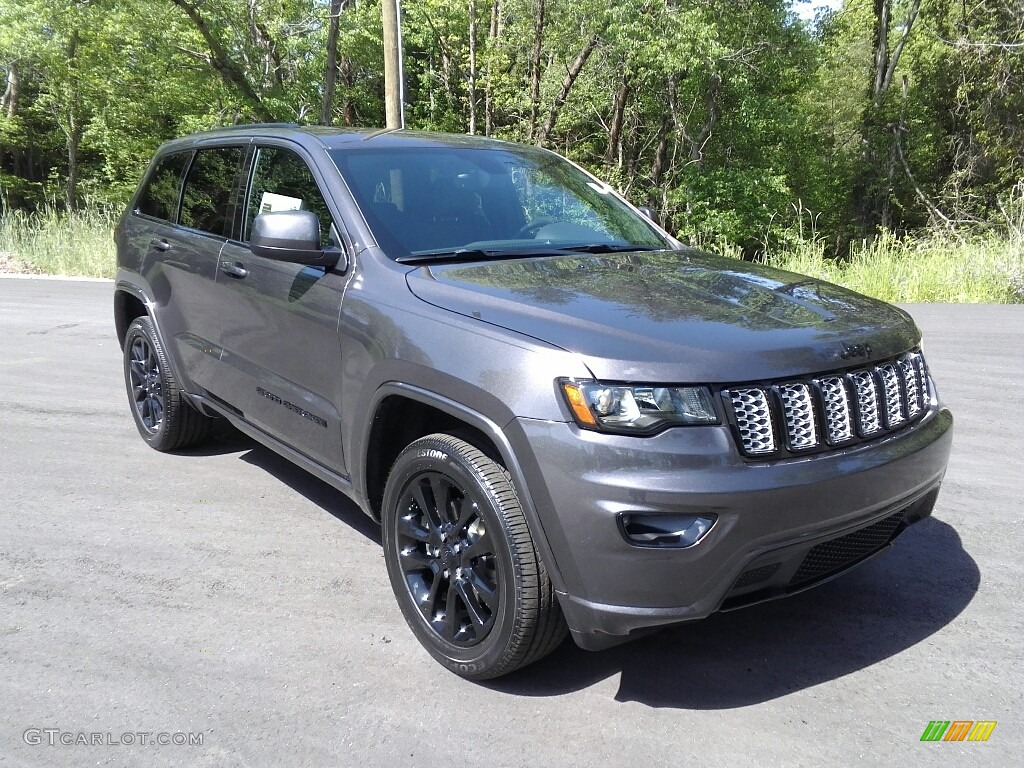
<point>159,197</point>
<point>207,201</point>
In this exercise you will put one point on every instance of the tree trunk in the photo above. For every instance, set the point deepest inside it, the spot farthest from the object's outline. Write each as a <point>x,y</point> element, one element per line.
<point>9,104</point>
<point>698,141</point>
<point>74,141</point>
<point>331,70</point>
<point>492,41</point>
<point>9,100</point>
<point>349,115</point>
<point>273,64</point>
<point>659,170</point>
<point>883,10</point>
<point>73,128</point>
<point>472,67</point>
<point>872,189</point>
<point>229,71</point>
<point>614,149</point>
<point>535,69</point>
<point>431,79</point>
<point>394,90</point>
<point>661,154</point>
<point>563,93</point>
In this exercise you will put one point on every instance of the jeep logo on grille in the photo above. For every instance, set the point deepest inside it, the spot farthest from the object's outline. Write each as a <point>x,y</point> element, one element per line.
<point>855,350</point>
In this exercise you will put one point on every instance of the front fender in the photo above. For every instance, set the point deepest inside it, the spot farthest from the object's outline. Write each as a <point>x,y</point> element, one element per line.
<point>489,427</point>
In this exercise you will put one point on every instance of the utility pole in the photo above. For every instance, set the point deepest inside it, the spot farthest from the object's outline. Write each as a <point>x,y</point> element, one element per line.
<point>394,90</point>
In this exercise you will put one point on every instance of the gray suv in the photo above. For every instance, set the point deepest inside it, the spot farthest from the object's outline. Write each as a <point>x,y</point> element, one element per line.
<point>564,420</point>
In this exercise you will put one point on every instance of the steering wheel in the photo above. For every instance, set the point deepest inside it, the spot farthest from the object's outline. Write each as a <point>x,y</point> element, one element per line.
<point>531,229</point>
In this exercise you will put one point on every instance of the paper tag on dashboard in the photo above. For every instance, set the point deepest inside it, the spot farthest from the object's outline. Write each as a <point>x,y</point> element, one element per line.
<point>272,202</point>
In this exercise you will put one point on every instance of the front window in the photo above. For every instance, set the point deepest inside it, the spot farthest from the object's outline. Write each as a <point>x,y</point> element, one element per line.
<point>438,201</point>
<point>283,182</point>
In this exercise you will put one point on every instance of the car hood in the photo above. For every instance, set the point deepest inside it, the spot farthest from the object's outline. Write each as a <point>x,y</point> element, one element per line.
<point>674,317</point>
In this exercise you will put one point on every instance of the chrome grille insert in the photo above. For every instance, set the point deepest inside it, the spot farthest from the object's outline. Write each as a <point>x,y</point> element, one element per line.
<point>908,372</point>
<point>798,412</point>
<point>922,376</point>
<point>838,424</point>
<point>792,417</point>
<point>894,415</point>
<point>753,420</point>
<point>867,402</point>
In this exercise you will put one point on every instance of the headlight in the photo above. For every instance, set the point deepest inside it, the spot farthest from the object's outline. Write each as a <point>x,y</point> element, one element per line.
<point>637,409</point>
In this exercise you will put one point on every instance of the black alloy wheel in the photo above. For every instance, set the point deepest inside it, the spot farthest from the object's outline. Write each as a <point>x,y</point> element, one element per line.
<point>447,558</point>
<point>164,418</point>
<point>146,384</point>
<point>462,563</point>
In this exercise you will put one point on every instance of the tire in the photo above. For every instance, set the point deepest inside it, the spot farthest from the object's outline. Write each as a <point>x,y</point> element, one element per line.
<point>163,416</point>
<point>467,576</point>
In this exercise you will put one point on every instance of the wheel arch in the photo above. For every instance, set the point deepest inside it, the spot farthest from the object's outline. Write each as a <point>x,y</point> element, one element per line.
<point>129,303</point>
<point>403,412</point>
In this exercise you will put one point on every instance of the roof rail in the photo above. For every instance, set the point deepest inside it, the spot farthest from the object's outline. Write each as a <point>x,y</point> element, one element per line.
<point>247,126</point>
<point>381,132</point>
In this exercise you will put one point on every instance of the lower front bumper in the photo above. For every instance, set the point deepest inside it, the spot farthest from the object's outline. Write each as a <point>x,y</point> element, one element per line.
<point>782,526</point>
<point>774,574</point>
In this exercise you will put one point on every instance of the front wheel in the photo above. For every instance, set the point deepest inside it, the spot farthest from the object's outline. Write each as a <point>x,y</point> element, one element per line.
<point>462,563</point>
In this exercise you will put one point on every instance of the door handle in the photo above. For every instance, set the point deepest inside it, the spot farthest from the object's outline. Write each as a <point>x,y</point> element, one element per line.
<point>159,244</point>
<point>233,269</point>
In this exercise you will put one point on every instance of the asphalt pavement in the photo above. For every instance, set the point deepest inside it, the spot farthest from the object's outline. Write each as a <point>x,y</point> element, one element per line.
<point>226,599</point>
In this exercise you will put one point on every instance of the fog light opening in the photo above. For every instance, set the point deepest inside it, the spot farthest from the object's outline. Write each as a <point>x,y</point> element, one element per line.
<point>679,531</point>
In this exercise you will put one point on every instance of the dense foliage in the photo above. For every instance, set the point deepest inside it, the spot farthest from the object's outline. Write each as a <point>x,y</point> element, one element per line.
<point>733,119</point>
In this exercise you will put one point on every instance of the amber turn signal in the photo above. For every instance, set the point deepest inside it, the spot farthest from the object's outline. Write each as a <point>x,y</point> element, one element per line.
<point>578,404</point>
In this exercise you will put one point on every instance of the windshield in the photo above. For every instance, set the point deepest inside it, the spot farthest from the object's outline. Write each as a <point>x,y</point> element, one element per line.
<point>438,201</point>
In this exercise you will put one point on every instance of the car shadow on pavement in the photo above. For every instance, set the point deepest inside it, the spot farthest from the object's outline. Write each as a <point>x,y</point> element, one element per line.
<point>223,439</point>
<point>752,655</point>
<point>734,659</point>
<point>315,490</point>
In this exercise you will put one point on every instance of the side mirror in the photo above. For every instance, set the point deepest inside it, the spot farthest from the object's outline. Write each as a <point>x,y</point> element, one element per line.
<point>292,236</point>
<point>648,212</point>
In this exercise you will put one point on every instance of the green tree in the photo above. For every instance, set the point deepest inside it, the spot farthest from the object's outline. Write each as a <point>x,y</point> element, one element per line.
<point>733,119</point>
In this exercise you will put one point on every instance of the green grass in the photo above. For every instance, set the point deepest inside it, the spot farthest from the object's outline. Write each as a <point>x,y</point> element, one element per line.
<point>987,267</point>
<point>53,243</point>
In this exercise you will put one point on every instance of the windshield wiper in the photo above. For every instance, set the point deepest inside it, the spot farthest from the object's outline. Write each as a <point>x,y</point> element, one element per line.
<point>605,248</point>
<point>476,254</point>
<point>485,254</point>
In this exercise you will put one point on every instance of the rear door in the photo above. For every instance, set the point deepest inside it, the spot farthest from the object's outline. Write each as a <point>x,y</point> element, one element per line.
<point>278,325</point>
<point>187,227</point>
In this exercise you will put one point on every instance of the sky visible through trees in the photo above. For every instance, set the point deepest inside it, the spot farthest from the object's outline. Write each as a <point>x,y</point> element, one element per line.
<point>806,9</point>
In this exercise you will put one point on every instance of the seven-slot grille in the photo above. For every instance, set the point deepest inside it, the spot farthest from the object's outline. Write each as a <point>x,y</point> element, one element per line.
<point>830,410</point>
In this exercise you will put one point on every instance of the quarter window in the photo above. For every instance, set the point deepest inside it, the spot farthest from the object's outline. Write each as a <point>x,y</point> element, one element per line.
<point>283,182</point>
<point>206,203</point>
<point>159,197</point>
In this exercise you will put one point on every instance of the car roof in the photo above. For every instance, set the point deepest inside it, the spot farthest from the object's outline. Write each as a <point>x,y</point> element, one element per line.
<point>338,138</point>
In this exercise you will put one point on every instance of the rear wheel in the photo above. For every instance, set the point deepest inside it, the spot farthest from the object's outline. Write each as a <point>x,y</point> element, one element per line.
<point>462,563</point>
<point>164,418</point>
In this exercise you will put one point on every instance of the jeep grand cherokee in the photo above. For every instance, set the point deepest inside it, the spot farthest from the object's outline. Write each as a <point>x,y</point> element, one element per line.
<point>563,419</point>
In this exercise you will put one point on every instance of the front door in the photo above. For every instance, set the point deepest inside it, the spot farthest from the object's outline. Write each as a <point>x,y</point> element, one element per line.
<point>278,327</point>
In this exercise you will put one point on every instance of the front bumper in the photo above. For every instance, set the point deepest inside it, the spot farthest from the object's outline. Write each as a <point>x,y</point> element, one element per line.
<point>782,526</point>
